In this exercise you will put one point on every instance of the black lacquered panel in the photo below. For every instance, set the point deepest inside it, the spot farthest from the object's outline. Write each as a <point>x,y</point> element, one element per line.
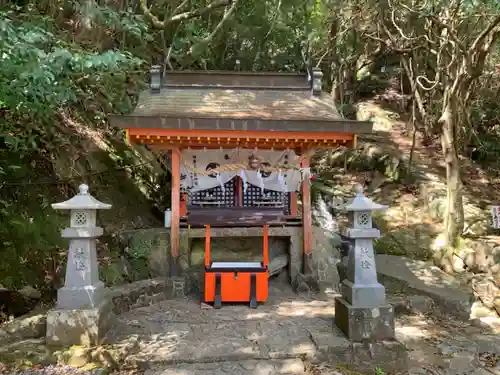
<point>254,194</point>
<point>226,196</point>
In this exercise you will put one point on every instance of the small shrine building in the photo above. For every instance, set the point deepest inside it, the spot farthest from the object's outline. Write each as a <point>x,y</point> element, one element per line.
<point>239,140</point>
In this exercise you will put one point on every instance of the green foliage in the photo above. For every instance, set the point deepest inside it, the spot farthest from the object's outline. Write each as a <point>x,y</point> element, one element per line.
<point>111,274</point>
<point>30,239</point>
<point>44,73</point>
<point>133,25</point>
<point>484,135</point>
<point>41,75</point>
<point>389,245</point>
<point>262,35</point>
<point>83,60</point>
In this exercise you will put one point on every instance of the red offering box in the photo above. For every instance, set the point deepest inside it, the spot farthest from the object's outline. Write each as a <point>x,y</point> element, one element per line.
<point>236,281</point>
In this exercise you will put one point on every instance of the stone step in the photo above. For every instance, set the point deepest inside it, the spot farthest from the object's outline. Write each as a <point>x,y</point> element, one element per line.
<point>277,264</point>
<point>249,367</point>
<point>410,276</point>
<point>191,345</point>
<point>230,341</point>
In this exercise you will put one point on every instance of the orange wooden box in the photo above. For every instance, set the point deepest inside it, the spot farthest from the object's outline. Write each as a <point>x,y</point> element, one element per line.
<point>236,281</point>
<point>236,286</point>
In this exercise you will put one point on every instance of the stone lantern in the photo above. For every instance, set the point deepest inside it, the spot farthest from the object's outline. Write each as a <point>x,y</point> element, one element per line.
<point>82,300</point>
<point>361,312</point>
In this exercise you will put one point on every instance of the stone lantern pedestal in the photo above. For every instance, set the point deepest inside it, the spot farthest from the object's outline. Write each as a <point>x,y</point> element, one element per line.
<point>361,312</point>
<point>83,311</point>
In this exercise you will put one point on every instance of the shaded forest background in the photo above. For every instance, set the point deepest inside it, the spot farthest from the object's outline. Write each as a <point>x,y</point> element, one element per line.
<point>66,65</point>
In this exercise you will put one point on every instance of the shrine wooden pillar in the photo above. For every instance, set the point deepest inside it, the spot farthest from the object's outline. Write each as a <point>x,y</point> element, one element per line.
<point>176,207</point>
<point>307,219</point>
<point>294,211</point>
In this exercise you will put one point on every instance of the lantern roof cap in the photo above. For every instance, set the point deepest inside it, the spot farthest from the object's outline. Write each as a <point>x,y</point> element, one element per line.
<point>82,201</point>
<point>362,203</point>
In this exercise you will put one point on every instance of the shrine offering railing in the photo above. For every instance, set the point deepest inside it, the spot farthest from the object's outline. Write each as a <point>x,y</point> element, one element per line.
<point>252,196</point>
<point>216,196</point>
<point>255,197</point>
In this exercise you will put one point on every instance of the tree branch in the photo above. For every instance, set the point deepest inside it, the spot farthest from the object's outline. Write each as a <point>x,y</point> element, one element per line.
<point>198,12</point>
<point>181,5</point>
<point>476,45</point>
<point>147,12</point>
<point>389,43</point>
<point>227,15</point>
<point>181,16</point>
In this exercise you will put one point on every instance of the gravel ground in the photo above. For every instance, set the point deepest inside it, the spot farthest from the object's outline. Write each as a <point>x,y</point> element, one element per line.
<point>64,370</point>
<point>53,370</point>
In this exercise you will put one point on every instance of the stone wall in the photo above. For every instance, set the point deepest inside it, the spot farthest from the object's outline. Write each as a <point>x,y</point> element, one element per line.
<point>151,244</point>
<point>233,244</point>
<point>226,250</point>
<point>138,294</point>
<point>233,249</point>
<point>325,257</point>
<point>227,244</point>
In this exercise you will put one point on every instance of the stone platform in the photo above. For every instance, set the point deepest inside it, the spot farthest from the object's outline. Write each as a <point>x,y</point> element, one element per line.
<point>179,337</point>
<point>250,367</point>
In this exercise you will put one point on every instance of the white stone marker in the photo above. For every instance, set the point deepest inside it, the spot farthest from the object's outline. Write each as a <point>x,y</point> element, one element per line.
<point>360,287</point>
<point>82,311</point>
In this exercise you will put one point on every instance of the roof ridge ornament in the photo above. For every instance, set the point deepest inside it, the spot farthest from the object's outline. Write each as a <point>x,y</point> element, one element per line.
<point>317,81</point>
<point>155,78</point>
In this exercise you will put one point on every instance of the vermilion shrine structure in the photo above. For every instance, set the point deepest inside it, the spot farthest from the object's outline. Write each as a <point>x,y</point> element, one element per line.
<point>240,145</point>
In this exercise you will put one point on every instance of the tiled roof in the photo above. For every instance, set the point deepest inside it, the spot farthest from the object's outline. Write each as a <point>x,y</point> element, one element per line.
<point>237,103</point>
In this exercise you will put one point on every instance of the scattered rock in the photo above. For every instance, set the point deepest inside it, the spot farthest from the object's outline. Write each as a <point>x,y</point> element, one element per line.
<point>479,310</point>
<point>111,356</point>
<point>106,357</point>
<point>447,350</point>
<point>420,304</point>
<point>481,254</point>
<point>487,290</point>
<point>26,352</point>
<point>377,181</point>
<point>30,326</point>
<point>400,305</point>
<point>457,264</point>
<point>30,292</point>
<point>306,284</point>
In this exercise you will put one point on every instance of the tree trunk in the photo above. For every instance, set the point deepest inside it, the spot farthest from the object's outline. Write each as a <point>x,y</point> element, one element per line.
<point>454,213</point>
<point>409,68</point>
